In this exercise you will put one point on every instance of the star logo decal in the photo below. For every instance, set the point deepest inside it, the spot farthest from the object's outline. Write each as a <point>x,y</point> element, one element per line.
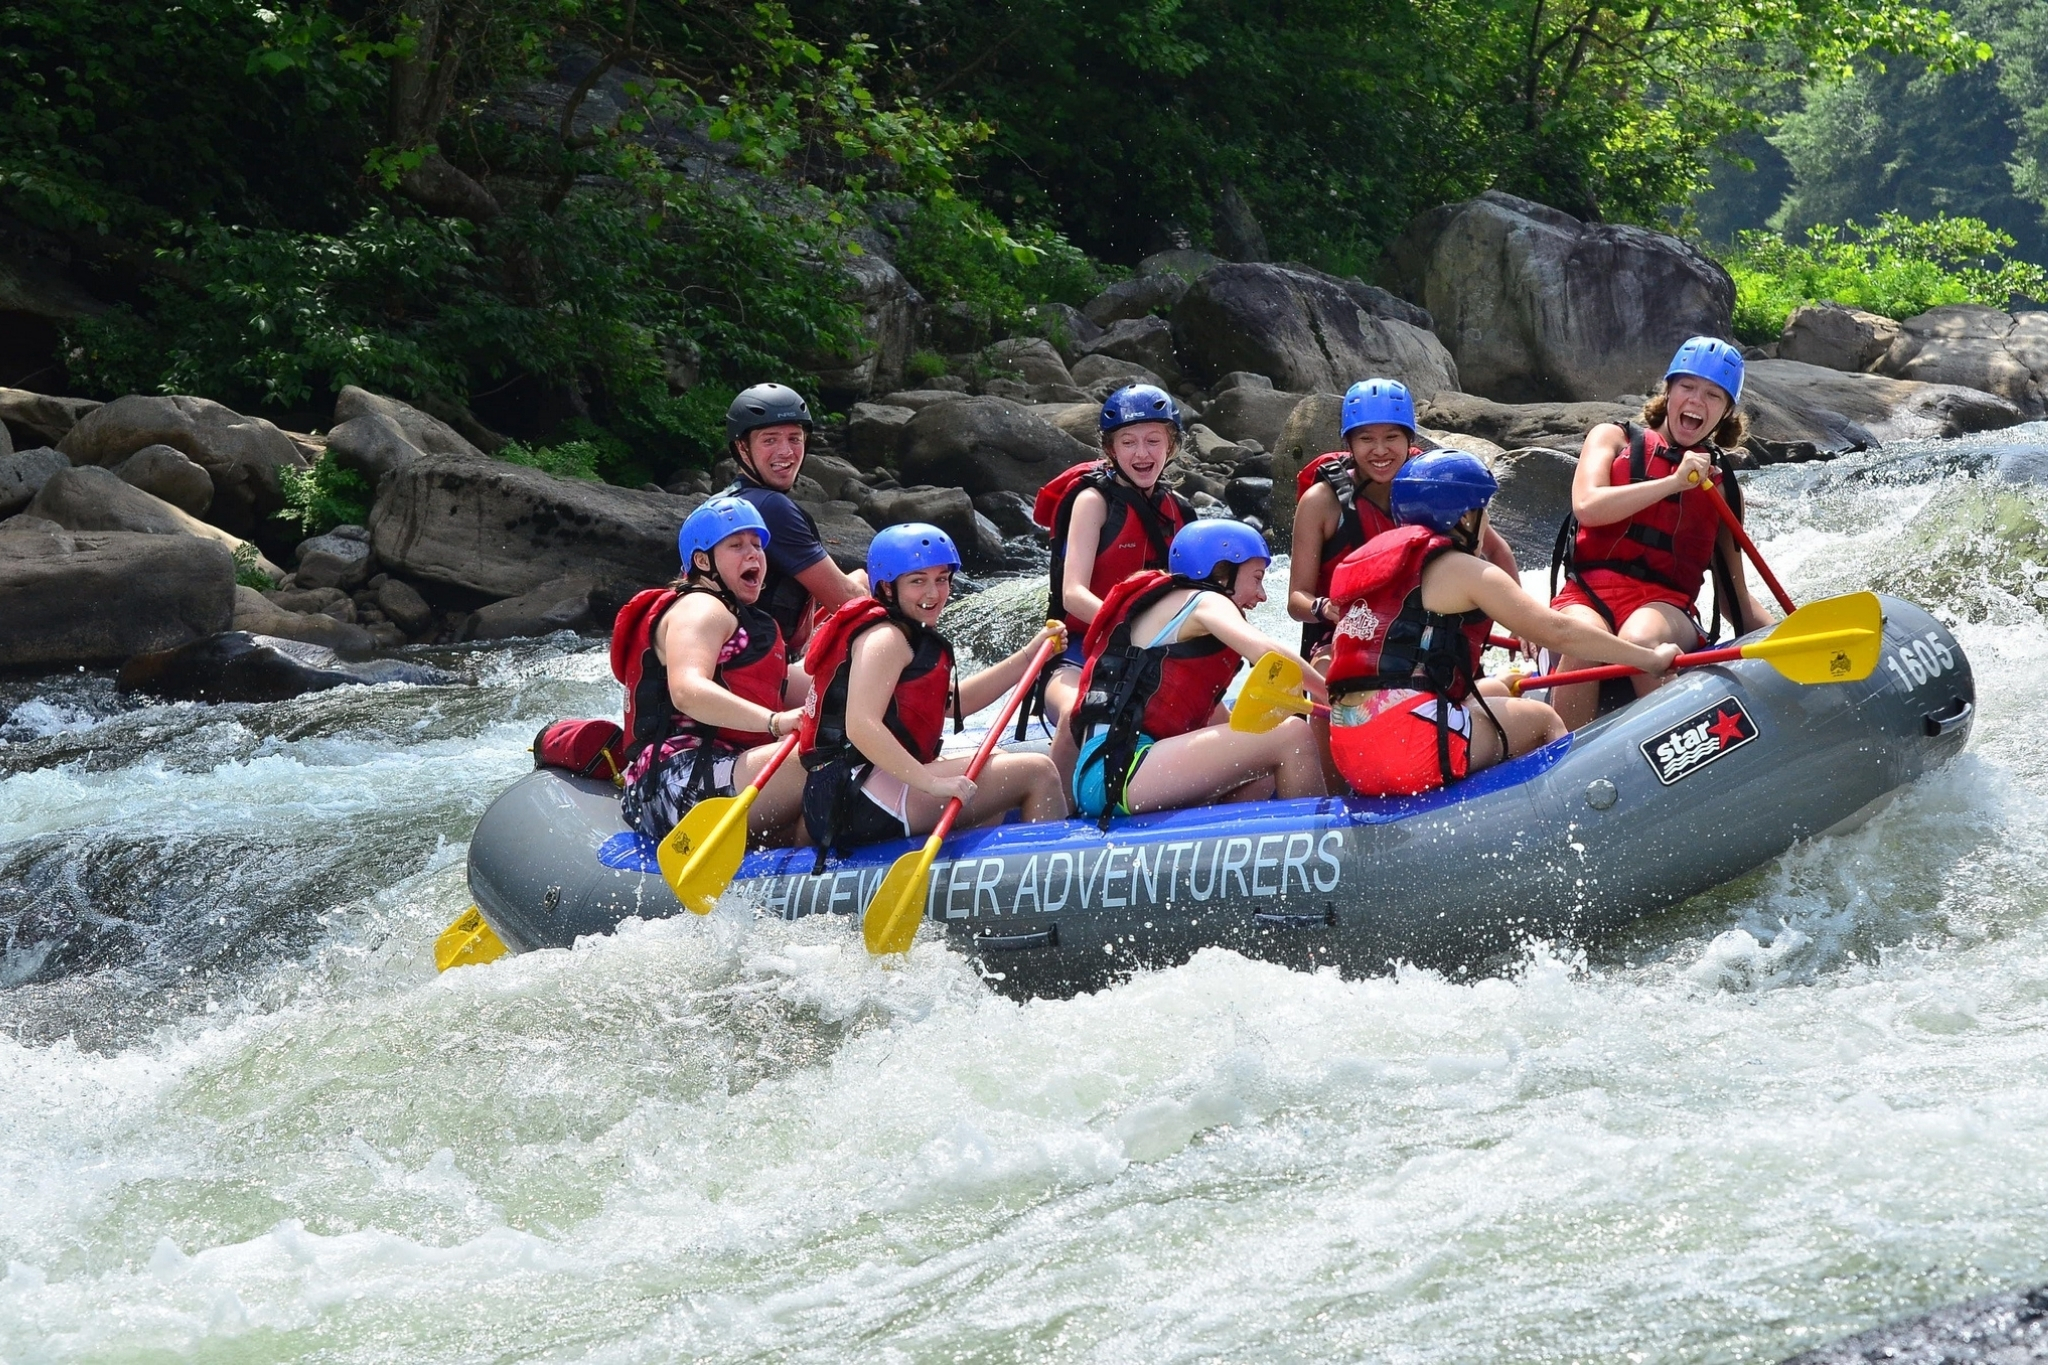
<point>1726,728</point>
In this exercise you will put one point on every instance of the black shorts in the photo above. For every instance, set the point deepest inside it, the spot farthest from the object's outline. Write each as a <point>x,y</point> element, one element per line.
<point>839,814</point>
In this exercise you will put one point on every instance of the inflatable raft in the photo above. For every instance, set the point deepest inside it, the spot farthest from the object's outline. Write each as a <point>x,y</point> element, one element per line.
<point>1704,780</point>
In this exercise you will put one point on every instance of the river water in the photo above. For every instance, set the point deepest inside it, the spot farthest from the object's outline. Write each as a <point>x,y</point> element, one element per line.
<point>241,1119</point>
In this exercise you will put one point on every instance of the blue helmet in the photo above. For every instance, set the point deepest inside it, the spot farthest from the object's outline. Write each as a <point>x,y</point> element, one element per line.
<point>1200,546</point>
<point>716,519</point>
<point>1371,401</point>
<point>1713,360</point>
<point>1136,403</point>
<point>898,550</point>
<point>1438,488</point>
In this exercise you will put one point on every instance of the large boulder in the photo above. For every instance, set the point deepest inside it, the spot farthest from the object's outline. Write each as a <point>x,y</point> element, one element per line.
<point>1082,421</point>
<point>986,444</point>
<point>874,432</point>
<point>1534,498</point>
<point>259,615</point>
<point>1514,425</point>
<point>1787,401</point>
<point>23,474</point>
<point>166,472</point>
<point>1249,413</point>
<point>426,433</point>
<point>1136,297</point>
<point>504,529</point>
<point>1032,358</point>
<point>241,454</point>
<point>1102,375</point>
<point>41,415</point>
<point>1305,330</point>
<point>239,666</point>
<point>87,498</point>
<point>949,509</point>
<point>1536,305</point>
<point>843,532</point>
<point>559,604</point>
<point>95,599</point>
<point>1062,324</point>
<point>1835,337</point>
<point>373,445</point>
<point>889,308</point>
<point>1146,341</point>
<point>1976,347</point>
<point>339,559</point>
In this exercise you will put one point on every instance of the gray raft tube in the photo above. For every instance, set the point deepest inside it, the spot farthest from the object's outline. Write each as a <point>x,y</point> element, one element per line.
<point>1704,780</point>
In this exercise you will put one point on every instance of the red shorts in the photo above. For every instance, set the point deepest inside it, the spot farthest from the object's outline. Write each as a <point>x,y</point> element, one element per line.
<point>1394,753</point>
<point>1623,595</point>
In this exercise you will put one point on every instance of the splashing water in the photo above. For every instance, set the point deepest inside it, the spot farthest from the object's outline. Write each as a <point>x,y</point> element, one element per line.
<point>241,1118</point>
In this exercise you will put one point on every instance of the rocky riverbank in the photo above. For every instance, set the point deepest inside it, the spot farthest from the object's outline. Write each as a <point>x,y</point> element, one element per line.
<point>147,523</point>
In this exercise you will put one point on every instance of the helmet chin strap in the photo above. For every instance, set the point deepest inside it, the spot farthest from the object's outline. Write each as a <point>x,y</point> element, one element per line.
<point>723,590</point>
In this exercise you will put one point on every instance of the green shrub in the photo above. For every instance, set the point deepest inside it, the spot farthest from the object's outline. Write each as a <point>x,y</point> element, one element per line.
<point>324,497</point>
<point>569,460</point>
<point>1896,268</point>
<point>956,251</point>
<point>924,365</point>
<point>250,574</point>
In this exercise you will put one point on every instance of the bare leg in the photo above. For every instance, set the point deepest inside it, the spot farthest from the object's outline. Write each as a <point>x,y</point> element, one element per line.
<point>1579,704</point>
<point>1060,691</point>
<point>1529,724</point>
<point>1653,624</point>
<point>1009,781</point>
<point>781,802</point>
<point>1205,764</point>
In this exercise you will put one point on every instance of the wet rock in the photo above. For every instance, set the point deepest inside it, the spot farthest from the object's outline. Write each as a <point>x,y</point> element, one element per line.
<point>42,415</point>
<point>874,433</point>
<point>1031,358</point>
<point>1835,337</point>
<point>1080,420</point>
<point>241,454</point>
<point>949,509</point>
<point>1102,375</point>
<point>843,532</point>
<point>1534,498</point>
<point>559,604</point>
<point>240,666</point>
<point>1537,306</point>
<point>1976,347</point>
<point>1789,401</point>
<point>1146,341</point>
<point>96,598</point>
<point>23,474</point>
<point>1250,497</point>
<point>1998,1329</point>
<point>257,613</point>
<point>830,473</point>
<point>373,445</point>
<point>1240,379</point>
<point>402,603</point>
<point>92,499</point>
<point>306,601</point>
<point>504,529</point>
<point>1247,413</point>
<point>1306,330</point>
<point>985,444</point>
<point>425,433</point>
<point>165,472</point>
<point>1514,425</point>
<point>1136,297</point>
<point>339,559</point>
<point>1009,512</point>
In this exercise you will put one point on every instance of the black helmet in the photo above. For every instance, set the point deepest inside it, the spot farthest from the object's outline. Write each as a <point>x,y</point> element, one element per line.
<point>765,405</point>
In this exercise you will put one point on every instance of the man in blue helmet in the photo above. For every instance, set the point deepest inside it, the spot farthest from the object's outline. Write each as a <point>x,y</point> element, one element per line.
<point>709,689</point>
<point>768,427</point>
<point>1417,605</point>
<point>1644,534</point>
<point>1160,654</point>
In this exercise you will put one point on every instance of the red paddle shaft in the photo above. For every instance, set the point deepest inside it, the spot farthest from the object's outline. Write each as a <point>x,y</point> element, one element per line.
<point>1734,525</point>
<point>1517,685</point>
<point>995,732</point>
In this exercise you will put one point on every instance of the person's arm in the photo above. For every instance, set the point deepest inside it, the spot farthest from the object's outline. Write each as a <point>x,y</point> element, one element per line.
<point>879,658</point>
<point>1219,616</point>
<point>994,683</point>
<point>1595,499</point>
<point>1482,585</point>
<point>691,636</point>
<point>1315,521</point>
<point>796,685</point>
<point>1084,533</point>
<point>1495,550</point>
<point>830,586</point>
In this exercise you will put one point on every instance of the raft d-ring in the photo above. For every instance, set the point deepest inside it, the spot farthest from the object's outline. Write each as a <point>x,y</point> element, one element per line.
<point>1601,794</point>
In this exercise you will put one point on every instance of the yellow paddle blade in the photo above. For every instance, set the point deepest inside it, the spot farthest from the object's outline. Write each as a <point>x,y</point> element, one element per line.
<point>1837,639</point>
<point>468,942</point>
<point>1271,694</point>
<point>702,854</point>
<point>898,907</point>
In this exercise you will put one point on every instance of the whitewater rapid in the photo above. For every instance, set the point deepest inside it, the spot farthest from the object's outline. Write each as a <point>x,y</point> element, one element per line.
<point>241,1118</point>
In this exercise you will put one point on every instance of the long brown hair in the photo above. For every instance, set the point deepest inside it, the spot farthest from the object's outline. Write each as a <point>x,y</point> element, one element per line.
<point>1729,435</point>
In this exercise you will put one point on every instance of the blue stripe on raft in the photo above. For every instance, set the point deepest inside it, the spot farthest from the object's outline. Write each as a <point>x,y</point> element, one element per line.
<point>1260,817</point>
<point>629,851</point>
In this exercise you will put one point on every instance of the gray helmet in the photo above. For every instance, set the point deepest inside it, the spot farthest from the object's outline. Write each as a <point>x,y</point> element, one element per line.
<point>765,405</point>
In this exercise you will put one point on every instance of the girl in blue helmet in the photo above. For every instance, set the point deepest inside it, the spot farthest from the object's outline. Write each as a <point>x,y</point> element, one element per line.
<point>875,719</point>
<point>1160,654</point>
<point>1343,501</point>
<point>1417,606</point>
<point>709,688</point>
<point>1643,534</point>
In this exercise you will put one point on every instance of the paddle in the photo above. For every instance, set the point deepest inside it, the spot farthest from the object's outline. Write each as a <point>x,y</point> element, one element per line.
<point>1270,695</point>
<point>467,942</point>
<point>893,915</point>
<point>1836,639</point>
<point>1734,525</point>
<point>701,855</point>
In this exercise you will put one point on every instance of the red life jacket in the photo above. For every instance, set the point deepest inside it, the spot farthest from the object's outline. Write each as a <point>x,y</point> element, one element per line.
<point>1387,638</point>
<point>1670,542</point>
<point>1159,692</point>
<point>1136,532</point>
<point>757,673</point>
<point>1358,520</point>
<point>917,711</point>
